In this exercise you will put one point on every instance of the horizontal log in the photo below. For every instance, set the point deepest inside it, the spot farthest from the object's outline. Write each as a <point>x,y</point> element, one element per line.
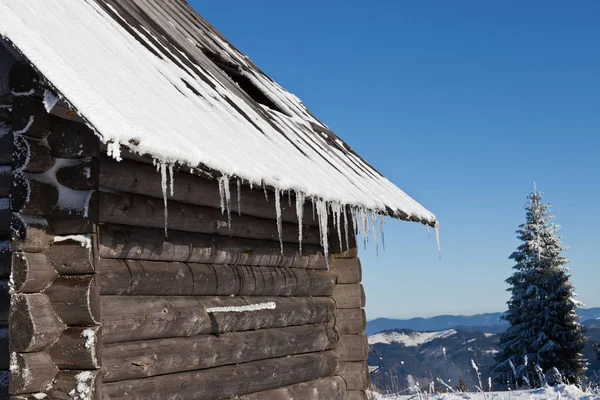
<point>75,299</point>
<point>73,255</point>
<point>78,348</point>
<point>31,156</point>
<point>33,323</point>
<point>217,383</point>
<point>71,139</point>
<point>5,220</point>
<point>31,372</point>
<point>5,181</point>
<point>75,222</point>
<point>29,117</point>
<point>30,234</point>
<point>5,260</point>
<point>134,277</point>
<point>351,321</point>
<point>137,178</point>
<point>80,176</point>
<point>80,384</point>
<point>353,347</point>
<point>349,296</point>
<point>68,255</point>
<point>4,378</point>
<point>4,301</point>
<point>32,272</point>
<point>341,244</point>
<point>6,149</point>
<point>347,270</point>
<point>118,241</point>
<point>127,318</point>
<point>68,385</point>
<point>331,388</point>
<point>22,78</point>
<point>141,359</point>
<point>347,253</point>
<point>356,395</point>
<point>356,375</point>
<point>149,212</point>
<point>31,196</point>
<point>4,350</point>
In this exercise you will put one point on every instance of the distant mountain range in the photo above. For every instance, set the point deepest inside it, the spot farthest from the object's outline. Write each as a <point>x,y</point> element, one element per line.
<point>445,354</point>
<point>489,323</point>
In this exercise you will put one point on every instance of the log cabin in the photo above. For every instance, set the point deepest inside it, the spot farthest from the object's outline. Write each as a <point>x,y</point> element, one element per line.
<point>173,223</point>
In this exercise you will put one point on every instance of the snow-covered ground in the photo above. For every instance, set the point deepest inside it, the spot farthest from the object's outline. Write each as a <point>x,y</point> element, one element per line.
<point>551,393</point>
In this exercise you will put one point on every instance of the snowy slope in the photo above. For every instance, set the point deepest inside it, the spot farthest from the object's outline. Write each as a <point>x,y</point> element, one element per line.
<point>410,339</point>
<point>551,393</point>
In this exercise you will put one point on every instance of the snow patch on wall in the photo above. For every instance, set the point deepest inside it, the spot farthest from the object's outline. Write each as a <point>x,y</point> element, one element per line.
<point>50,100</point>
<point>83,390</point>
<point>250,307</point>
<point>68,199</point>
<point>26,128</point>
<point>90,337</point>
<point>84,240</point>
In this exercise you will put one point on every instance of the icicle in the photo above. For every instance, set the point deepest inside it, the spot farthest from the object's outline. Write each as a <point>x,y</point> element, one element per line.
<point>239,196</point>
<point>428,232</point>
<point>365,222</point>
<point>163,183</point>
<point>346,229</point>
<point>364,228</point>
<point>289,198</point>
<point>279,222</point>
<point>338,222</point>
<point>381,230</point>
<point>171,180</point>
<point>322,214</point>
<point>222,195</point>
<point>354,221</point>
<point>225,193</point>
<point>314,210</point>
<point>373,219</point>
<point>265,190</point>
<point>300,215</point>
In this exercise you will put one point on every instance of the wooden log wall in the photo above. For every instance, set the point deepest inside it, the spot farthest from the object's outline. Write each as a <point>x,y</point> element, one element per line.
<point>6,146</point>
<point>54,317</point>
<point>158,291</point>
<point>353,347</point>
<point>105,302</point>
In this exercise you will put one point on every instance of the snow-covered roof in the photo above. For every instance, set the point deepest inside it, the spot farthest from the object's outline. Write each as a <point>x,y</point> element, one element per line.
<point>155,77</point>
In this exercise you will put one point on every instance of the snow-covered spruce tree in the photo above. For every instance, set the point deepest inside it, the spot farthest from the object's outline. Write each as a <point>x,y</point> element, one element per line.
<point>544,333</point>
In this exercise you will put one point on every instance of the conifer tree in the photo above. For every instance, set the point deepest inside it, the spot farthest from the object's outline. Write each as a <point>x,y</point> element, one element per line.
<point>544,335</point>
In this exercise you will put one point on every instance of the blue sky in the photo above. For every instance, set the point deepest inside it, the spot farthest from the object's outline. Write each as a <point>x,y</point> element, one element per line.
<point>463,105</point>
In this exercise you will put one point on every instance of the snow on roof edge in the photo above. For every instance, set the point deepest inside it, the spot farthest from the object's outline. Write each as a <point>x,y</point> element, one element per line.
<point>423,216</point>
<point>397,214</point>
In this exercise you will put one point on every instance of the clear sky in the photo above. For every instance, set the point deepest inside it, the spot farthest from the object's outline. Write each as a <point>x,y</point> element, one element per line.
<point>463,105</point>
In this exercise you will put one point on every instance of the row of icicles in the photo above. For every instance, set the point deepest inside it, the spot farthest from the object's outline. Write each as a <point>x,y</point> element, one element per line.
<point>364,222</point>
